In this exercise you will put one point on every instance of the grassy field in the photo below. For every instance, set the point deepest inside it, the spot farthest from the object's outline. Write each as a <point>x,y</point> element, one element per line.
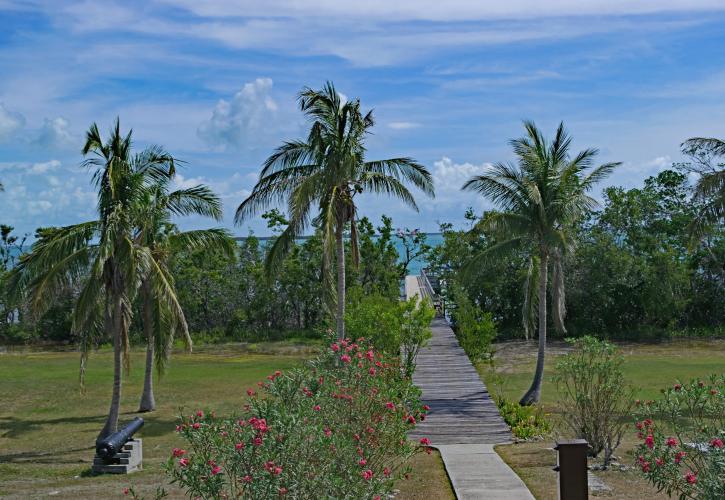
<point>47,428</point>
<point>648,367</point>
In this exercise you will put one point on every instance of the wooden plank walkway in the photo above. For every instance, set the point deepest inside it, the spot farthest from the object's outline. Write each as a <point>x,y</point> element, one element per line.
<point>461,409</point>
<point>463,421</point>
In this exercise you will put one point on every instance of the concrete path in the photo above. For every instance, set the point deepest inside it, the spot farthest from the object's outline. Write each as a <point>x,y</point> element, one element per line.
<point>463,422</point>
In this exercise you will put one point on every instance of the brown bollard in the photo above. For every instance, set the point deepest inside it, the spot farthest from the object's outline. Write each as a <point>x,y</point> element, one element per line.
<point>572,469</point>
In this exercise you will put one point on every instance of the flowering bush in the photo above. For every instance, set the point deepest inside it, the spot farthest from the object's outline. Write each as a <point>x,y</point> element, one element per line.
<point>682,437</point>
<point>335,427</point>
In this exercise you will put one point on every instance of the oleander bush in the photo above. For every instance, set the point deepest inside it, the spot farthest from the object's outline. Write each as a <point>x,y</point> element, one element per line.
<point>335,427</point>
<point>682,433</point>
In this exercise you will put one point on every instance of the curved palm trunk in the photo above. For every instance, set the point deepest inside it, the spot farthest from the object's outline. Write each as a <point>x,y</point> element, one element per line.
<point>534,393</point>
<point>340,243</point>
<point>116,323</point>
<point>148,403</point>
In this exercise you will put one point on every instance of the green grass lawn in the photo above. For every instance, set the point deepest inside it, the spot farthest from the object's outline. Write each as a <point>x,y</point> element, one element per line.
<point>648,367</point>
<point>48,429</point>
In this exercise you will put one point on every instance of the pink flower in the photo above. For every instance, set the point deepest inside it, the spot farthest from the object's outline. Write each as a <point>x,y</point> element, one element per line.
<point>659,462</point>
<point>425,442</point>
<point>371,371</point>
<point>691,477</point>
<point>390,405</point>
<point>650,441</point>
<point>426,407</point>
<point>713,391</point>
<point>370,355</point>
<point>177,452</point>
<point>125,491</point>
<point>716,443</point>
<point>386,472</point>
<point>362,462</point>
<point>277,373</point>
<point>282,490</point>
<point>277,471</point>
<point>367,475</point>
<point>328,432</point>
<point>639,425</point>
<point>411,419</point>
<point>679,456</point>
<point>216,470</point>
<point>345,358</point>
<point>184,462</point>
<point>257,441</point>
<point>335,347</point>
<point>200,414</point>
<point>645,467</point>
<point>239,446</point>
<point>250,392</point>
<point>316,408</point>
<point>247,479</point>
<point>671,442</point>
<point>196,425</point>
<point>678,387</point>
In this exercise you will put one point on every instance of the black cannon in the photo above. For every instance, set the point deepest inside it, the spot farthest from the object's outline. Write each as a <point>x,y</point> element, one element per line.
<point>108,446</point>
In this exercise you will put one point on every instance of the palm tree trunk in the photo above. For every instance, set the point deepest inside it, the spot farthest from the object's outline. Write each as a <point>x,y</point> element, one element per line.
<point>148,403</point>
<point>116,321</point>
<point>340,242</point>
<point>534,393</point>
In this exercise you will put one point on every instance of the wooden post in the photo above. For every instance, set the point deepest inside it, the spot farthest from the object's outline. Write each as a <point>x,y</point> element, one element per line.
<point>572,469</point>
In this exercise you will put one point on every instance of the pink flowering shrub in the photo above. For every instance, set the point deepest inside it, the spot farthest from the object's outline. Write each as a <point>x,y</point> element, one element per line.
<point>682,437</point>
<point>335,427</point>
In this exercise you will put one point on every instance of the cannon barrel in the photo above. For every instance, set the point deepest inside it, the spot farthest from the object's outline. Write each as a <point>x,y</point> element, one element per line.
<point>108,446</point>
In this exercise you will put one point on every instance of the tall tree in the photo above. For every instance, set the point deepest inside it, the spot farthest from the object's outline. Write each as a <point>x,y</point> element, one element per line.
<point>104,253</point>
<point>540,198</point>
<point>324,173</point>
<point>708,155</point>
<point>156,232</point>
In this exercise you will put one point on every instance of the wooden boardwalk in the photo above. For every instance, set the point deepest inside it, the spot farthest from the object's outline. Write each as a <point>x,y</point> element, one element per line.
<point>463,421</point>
<point>461,409</point>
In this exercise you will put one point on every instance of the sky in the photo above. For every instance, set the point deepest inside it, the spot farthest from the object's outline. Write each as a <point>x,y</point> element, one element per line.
<point>215,82</point>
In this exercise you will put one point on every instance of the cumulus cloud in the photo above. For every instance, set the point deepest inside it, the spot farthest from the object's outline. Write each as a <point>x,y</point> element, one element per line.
<point>242,121</point>
<point>55,134</point>
<point>44,167</point>
<point>10,122</point>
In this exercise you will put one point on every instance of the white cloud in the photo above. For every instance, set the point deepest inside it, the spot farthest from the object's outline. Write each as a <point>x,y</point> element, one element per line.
<point>448,178</point>
<point>403,125</point>
<point>241,122</point>
<point>55,134</point>
<point>10,122</point>
<point>41,168</point>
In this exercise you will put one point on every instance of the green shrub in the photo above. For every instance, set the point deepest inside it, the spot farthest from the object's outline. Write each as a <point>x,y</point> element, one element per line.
<point>595,399</point>
<point>474,328</point>
<point>393,326</point>
<point>526,422</point>
<point>682,433</point>
<point>335,427</point>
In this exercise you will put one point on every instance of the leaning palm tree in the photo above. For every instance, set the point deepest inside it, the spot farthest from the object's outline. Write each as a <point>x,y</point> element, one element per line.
<point>156,232</point>
<point>539,198</point>
<point>104,254</point>
<point>323,174</point>
<point>710,187</point>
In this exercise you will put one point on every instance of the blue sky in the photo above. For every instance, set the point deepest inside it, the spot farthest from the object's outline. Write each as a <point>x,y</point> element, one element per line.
<point>215,83</point>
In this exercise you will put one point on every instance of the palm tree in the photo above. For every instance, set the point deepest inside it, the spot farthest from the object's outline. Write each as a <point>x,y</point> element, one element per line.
<point>540,198</point>
<point>156,232</point>
<point>104,253</point>
<point>324,173</point>
<point>710,187</point>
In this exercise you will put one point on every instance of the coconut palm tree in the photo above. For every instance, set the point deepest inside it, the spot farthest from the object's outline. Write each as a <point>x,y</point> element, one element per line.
<point>710,187</point>
<point>156,232</point>
<point>539,198</point>
<point>324,174</point>
<point>104,254</point>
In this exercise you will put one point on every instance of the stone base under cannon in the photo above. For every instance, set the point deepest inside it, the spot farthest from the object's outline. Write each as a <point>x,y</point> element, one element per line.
<point>126,461</point>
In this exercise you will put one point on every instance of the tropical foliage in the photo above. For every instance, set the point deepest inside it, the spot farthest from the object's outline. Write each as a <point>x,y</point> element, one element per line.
<point>319,179</point>
<point>541,199</point>
<point>336,425</point>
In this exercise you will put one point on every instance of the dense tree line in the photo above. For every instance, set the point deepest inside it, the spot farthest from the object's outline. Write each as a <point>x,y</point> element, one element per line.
<point>635,272</point>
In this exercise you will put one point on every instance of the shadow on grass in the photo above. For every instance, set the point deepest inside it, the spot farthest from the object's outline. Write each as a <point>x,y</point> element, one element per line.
<point>43,457</point>
<point>14,427</point>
